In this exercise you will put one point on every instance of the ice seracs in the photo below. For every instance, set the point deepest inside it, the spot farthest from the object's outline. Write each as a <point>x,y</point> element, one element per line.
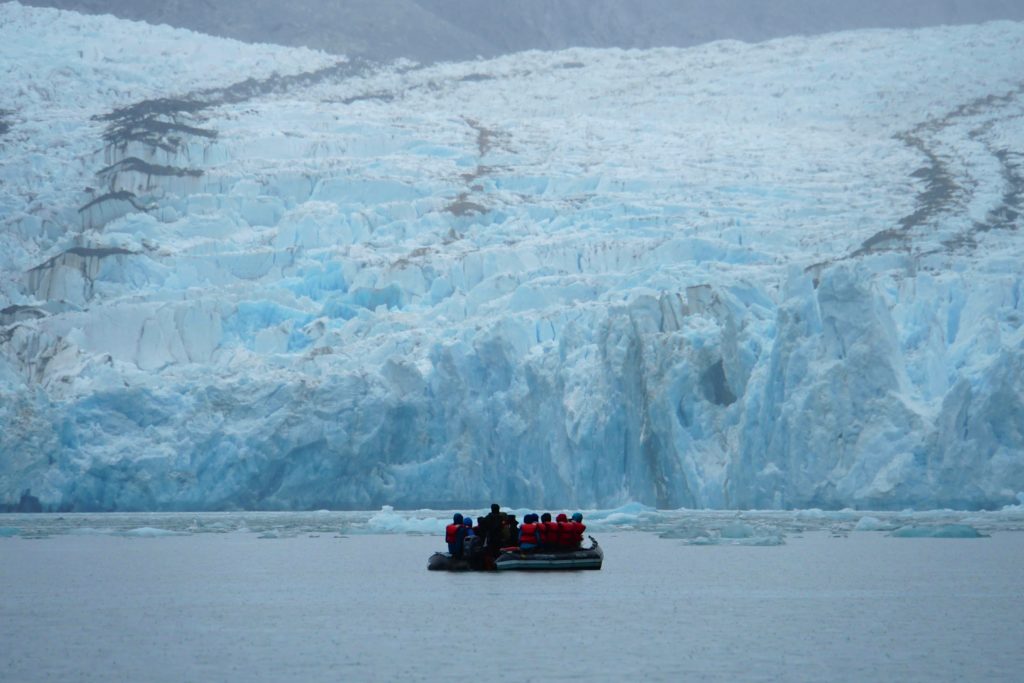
<point>774,275</point>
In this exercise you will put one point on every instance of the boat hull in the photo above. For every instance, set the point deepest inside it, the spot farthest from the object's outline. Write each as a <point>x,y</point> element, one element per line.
<point>444,562</point>
<point>585,558</point>
<point>516,559</point>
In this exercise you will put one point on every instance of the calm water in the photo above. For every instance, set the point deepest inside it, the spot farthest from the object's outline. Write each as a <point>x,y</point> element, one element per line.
<point>323,607</point>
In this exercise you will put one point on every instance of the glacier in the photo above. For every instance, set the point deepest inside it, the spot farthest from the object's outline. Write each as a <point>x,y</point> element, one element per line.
<point>777,275</point>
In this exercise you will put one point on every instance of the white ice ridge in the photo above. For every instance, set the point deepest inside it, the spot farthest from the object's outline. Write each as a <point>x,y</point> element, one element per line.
<point>774,275</point>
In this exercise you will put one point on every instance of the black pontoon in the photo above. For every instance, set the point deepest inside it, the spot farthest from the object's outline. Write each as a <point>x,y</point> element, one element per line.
<point>514,558</point>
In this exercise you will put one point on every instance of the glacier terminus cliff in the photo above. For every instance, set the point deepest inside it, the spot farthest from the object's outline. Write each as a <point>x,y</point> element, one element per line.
<point>774,275</point>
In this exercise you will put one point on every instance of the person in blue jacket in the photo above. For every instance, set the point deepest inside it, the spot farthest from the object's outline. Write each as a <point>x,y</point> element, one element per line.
<point>455,535</point>
<point>473,545</point>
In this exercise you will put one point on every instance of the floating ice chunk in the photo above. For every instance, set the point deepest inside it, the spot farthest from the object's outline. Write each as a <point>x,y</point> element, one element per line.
<point>9,531</point>
<point>151,532</point>
<point>868,523</point>
<point>90,531</point>
<point>197,526</point>
<point>941,531</point>
<point>686,532</point>
<point>616,519</point>
<point>737,530</point>
<point>768,540</point>
<point>387,521</point>
<point>772,539</point>
<point>633,508</point>
<point>817,514</point>
<point>630,514</point>
<point>732,533</point>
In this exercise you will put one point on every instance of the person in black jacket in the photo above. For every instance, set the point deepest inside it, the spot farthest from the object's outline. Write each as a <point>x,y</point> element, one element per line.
<point>490,529</point>
<point>510,531</point>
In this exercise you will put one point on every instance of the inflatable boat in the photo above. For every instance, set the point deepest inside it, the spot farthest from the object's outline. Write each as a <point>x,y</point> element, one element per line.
<point>514,558</point>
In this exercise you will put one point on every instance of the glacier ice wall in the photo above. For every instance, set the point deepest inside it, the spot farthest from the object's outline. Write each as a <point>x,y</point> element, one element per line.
<point>774,275</point>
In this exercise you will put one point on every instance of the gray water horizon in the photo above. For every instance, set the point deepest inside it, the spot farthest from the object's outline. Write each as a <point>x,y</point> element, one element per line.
<point>706,597</point>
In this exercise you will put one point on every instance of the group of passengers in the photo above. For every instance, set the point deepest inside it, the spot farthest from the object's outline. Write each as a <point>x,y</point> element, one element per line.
<point>499,531</point>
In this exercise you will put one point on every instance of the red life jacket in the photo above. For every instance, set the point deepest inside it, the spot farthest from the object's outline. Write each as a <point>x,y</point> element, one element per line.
<point>528,533</point>
<point>549,531</point>
<point>450,533</point>
<point>576,530</point>
<point>565,535</point>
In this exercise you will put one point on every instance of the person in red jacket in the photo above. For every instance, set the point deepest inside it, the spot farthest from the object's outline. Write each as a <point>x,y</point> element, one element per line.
<point>565,535</point>
<point>549,530</point>
<point>530,533</point>
<point>576,529</point>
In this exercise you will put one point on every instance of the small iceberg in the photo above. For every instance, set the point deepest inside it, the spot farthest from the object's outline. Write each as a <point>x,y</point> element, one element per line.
<point>628,516</point>
<point>89,531</point>
<point>737,531</point>
<point>753,541</point>
<point>868,523</point>
<point>686,532</point>
<point>387,521</point>
<point>941,531</point>
<point>1019,507</point>
<point>733,533</point>
<point>150,532</point>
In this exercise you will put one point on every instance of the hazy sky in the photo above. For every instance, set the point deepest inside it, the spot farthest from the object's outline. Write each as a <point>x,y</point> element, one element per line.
<point>429,30</point>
